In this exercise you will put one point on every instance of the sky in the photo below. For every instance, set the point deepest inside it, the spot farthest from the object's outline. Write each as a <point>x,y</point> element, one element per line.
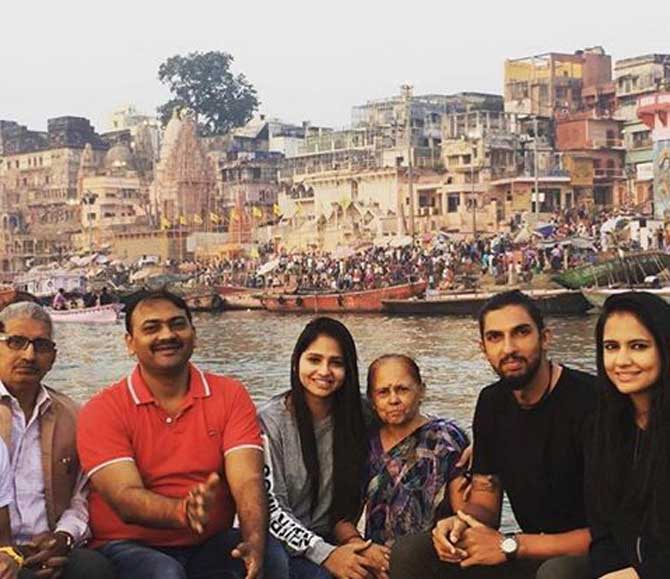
<point>309,60</point>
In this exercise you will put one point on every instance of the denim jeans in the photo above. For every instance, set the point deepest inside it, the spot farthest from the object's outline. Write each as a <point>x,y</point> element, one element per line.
<point>81,564</point>
<point>282,566</point>
<point>209,560</point>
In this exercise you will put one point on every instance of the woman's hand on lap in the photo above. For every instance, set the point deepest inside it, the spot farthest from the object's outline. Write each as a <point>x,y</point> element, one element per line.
<point>349,562</point>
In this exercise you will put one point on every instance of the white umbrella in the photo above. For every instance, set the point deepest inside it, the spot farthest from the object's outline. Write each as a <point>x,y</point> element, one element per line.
<point>401,241</point>
<point>268,267</point>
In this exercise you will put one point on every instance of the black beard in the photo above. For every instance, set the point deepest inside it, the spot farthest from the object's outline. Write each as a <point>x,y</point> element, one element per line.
<point>519,382</point>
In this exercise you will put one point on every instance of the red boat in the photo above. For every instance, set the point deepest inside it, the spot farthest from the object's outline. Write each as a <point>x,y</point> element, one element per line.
<point>366,301</point>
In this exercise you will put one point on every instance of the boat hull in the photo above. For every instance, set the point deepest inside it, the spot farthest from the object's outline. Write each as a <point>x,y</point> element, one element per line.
<point>367,301</point>
<point>550,302</point>
<point>204,302</point>
<point>244,301</point>
<point>597,296</point>
<point>628,270</point>
<point>108,314</point>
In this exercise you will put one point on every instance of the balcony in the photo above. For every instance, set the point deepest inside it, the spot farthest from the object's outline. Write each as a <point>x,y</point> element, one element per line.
<point>608,174</point>
<point>605,143</point>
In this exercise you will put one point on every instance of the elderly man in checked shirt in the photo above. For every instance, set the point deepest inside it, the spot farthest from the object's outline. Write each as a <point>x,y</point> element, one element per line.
<point>48,511</point>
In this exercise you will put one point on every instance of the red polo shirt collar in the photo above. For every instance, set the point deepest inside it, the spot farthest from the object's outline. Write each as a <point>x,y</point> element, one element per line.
<point>198,386</point>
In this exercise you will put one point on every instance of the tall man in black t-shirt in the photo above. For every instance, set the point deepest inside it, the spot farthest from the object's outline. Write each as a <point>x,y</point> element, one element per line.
<point>528,441</point>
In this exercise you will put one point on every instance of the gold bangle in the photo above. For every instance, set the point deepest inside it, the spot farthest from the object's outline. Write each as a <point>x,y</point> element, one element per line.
<point>14,554</point>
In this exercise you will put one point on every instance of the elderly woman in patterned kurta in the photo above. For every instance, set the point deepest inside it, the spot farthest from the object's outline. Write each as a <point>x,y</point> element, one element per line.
<point>413,470</point>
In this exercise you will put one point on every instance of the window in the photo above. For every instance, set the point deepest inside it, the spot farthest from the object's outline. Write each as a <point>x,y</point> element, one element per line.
<point>453,202</point>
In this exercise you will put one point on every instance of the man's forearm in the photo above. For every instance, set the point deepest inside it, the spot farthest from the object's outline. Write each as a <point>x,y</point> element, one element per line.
<point>482,514</point>
<point>149,509</point>
<point>547,546</point>
<point>253,513</point>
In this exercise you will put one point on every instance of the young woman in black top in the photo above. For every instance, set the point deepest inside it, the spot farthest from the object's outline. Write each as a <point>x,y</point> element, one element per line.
<point>630,453</point>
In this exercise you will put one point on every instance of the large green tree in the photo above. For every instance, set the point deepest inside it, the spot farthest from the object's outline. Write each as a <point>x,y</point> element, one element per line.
<point>203,82</point>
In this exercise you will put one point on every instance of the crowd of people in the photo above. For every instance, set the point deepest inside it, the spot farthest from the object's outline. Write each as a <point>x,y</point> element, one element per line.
<point>445,263</point>
<point>172,472</point>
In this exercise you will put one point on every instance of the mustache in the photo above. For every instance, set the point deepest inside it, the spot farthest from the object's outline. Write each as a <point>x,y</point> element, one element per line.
<point>27,367</point>
<point>512,358</point>
<point>172,343</point>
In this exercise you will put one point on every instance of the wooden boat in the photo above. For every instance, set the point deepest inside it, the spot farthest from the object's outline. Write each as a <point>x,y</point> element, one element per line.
<point>597,296</point>
<point>204,301</point>
<point>225,290</point>
<point>242,301</point>
<point>630,270</point>
<point>108,314</point>
<point>551,302</point>
<point>366,301</point>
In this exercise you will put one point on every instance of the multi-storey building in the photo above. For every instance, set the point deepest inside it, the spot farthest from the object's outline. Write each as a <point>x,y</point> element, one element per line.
<point>39,172</point>
<point>594,155</point>
<point>548,84</point>
<point>636,78</point>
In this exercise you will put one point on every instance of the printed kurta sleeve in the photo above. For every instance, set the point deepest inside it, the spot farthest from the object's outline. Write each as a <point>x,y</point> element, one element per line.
<point>458,441</point>
<point>284,526</point>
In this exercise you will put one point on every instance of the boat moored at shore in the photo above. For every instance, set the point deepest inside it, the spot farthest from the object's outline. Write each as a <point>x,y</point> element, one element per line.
<point>552,302</point>
<point>365,301</point>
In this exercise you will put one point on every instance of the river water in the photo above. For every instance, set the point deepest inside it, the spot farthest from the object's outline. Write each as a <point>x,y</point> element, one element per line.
<point>256,346</point>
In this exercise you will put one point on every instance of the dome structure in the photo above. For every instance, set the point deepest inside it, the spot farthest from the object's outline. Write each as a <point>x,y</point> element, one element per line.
<point>119,157</point>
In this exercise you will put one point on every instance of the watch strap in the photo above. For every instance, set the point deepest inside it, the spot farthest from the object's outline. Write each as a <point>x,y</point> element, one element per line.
<point>69,540</point>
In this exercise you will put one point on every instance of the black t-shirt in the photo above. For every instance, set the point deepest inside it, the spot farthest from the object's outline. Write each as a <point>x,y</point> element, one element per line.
<point>538,453</point>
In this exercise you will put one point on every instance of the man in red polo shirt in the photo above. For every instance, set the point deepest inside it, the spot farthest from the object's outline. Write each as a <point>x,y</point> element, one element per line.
<point>173,453</point>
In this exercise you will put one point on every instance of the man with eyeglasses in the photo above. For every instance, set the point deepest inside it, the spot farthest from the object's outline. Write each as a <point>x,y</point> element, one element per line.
<point>47,520</point>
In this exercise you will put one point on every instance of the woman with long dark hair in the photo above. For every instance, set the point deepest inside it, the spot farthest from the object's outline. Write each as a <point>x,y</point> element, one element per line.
<point>630,456</point>
<point>315,438</point>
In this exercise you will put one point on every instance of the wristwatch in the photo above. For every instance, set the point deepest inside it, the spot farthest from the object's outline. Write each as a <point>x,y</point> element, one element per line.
<point>509,546</point>
<point>69,540</point>
<point>13,554</point>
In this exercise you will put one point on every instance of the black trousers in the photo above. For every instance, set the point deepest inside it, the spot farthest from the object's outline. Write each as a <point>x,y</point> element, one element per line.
<point>81,564</point>
<point>414,557</point>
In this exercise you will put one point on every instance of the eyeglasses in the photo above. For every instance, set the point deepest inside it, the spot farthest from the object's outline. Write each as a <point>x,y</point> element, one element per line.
<point>41,345</point>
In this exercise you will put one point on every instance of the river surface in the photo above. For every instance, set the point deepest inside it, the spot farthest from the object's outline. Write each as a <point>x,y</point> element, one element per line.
<point>256,346</point>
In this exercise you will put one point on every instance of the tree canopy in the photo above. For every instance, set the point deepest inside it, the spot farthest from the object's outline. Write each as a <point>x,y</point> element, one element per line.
<point>204,83</point>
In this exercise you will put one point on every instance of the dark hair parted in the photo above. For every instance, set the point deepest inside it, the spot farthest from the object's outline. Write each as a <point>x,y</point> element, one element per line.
<point>511,298</point>
<point>144,295</point>
<point>349,433</point>
<point>614,425</point>
<point>411,365</point>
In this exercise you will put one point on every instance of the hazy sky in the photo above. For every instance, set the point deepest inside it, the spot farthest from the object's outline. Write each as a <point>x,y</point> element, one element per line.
<point>309,60</point>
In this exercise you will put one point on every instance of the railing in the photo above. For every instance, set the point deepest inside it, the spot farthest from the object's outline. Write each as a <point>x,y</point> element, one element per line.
<point>608,174</point>
<point>605,143</point>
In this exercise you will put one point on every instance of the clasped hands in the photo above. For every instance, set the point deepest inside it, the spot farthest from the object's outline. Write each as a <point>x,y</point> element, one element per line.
<point>461,539</point>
